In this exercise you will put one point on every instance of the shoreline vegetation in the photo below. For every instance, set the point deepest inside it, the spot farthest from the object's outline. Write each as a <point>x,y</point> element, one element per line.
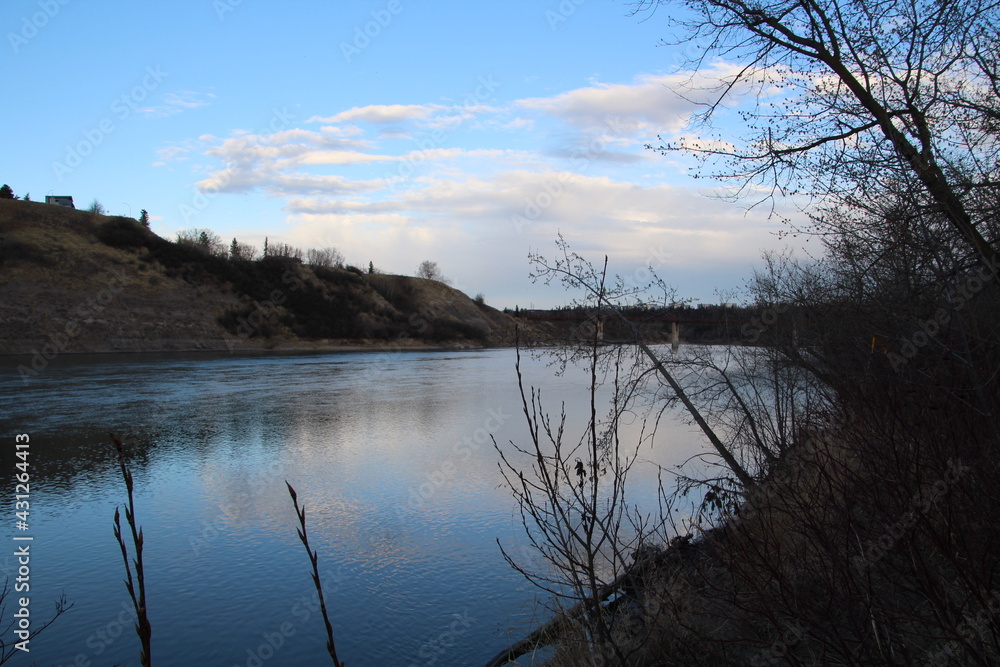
<point>79,282</point>
<point>852,514</point>
<point>849,514</point>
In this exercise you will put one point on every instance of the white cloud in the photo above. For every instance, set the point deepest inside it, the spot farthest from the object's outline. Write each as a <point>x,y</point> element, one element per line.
<point>380,113</point>
<point>171,154</point>
<point>183,150</point>
<point>278,184</point>
<point>519,124</point>
<point>481,228</point>
<point>651,104</point>
<point>413,187</point>
<point>286,150</point>
<point>526,207</point>
<point>341,157</point>
<point>174,103</point>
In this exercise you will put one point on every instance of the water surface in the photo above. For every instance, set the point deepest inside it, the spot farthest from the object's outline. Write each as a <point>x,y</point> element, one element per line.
<point>389,452</point>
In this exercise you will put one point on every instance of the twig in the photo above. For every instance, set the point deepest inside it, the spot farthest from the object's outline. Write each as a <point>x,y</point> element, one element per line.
<point>142,626</point>
<point>554,629</point>
<point>9,648</point>
<point>314,559</point>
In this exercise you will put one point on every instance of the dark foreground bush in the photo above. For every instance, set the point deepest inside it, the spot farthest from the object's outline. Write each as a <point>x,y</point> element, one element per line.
<point>121,232</point>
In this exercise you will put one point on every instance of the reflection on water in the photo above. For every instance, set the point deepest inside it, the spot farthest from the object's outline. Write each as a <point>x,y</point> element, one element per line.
<point>389,453</point>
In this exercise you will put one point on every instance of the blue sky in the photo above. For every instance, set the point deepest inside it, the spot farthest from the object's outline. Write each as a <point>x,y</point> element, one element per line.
<point>397,131</point>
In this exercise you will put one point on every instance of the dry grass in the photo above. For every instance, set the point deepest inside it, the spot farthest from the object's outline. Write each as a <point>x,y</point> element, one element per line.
<point>55,261</point>
<point>865,547</point>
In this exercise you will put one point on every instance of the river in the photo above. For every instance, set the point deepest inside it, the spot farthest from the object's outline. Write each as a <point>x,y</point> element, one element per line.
<point>390,453</point>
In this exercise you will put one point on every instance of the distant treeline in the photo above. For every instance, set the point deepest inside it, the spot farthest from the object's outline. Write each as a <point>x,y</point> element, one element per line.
<point>703,324</point>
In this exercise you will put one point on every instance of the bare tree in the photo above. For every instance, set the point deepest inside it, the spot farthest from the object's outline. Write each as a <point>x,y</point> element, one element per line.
<point>866,534</point>
<point>576,273</point>
<point>573,505</point>
<point>431,271</point>
<point>573,494</point>
<point>325,257</point>
<point>204,239</point>
<point>242,252</point>
<point>284,250</point>
<point>872,94</point>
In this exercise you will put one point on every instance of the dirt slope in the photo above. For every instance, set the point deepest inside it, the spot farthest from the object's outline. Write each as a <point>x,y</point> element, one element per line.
<point>71,281</point>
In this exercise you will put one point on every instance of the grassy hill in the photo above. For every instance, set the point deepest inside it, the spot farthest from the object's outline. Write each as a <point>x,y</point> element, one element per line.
<point>80,282</point>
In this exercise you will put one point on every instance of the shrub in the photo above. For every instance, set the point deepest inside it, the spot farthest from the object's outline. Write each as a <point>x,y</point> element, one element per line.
<point>242,252</point>
<point>283,250</point>
<point>120,232</point>
<point>203,239</point>
<point>443,330</point>
<point>325,257</point>
<point>15,250</point>
<point>396,290</point>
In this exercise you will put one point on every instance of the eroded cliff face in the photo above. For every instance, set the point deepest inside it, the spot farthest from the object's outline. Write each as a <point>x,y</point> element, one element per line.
<point>71,281</point>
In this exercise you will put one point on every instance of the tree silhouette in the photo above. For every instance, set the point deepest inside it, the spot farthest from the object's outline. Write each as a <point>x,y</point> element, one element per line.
<point>431,271</point>
<point>854,97</point>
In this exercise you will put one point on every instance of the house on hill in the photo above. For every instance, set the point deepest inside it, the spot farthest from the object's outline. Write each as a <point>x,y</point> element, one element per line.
<point>59,200</point>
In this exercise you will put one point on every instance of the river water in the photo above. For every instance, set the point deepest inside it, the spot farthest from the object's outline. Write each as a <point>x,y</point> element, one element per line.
<point>389,452</point>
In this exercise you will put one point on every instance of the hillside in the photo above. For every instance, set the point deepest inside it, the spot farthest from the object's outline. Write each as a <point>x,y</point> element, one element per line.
<point>73,281</point>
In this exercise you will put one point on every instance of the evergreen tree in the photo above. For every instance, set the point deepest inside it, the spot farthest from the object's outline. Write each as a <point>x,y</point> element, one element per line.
<point>6,192</point>
<point>144,218</point>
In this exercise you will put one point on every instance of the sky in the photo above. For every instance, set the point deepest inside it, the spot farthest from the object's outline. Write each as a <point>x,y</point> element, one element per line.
<point>466,133</point>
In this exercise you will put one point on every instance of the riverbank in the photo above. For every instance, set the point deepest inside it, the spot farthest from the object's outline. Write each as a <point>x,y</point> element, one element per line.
<point>29,348</point>
<point>865,545</point>
<point>78,282</point>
